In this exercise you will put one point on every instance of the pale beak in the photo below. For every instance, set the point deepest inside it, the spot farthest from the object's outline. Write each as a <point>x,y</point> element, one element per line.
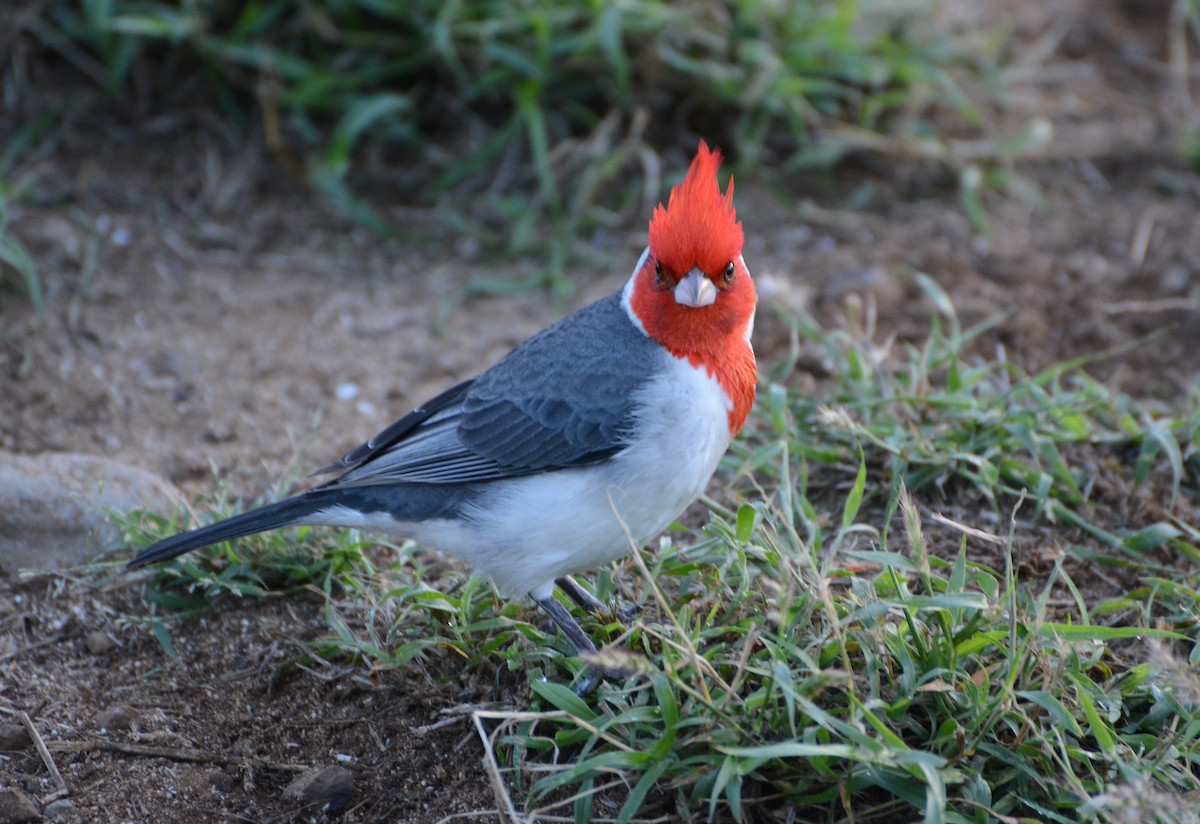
<point>695,290</point>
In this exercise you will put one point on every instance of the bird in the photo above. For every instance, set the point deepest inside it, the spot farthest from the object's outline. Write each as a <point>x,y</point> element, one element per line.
<point>604,426</point>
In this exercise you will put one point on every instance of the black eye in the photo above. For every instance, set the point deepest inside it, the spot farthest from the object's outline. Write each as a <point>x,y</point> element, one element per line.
<point>659,278</point>
<point>729,272</point>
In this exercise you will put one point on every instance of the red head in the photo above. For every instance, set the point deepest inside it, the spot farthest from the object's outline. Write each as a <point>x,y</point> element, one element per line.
<point>693,293</point>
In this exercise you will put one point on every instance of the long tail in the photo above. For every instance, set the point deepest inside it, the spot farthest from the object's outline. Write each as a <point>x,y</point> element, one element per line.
<point>273,516</point>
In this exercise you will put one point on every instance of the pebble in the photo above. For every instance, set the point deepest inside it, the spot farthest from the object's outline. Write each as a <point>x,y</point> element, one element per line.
<point>116,717</point>
<point>98,642</point>
<point>59,810</point>
<point>221,781</point>
<point>330,788</point>
<point>16,807</point>
<point>14,737</point>
<point>54,506</point>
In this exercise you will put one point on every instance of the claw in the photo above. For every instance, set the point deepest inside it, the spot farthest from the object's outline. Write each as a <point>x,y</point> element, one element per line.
<point>587,685</point>
<point>594,675</point>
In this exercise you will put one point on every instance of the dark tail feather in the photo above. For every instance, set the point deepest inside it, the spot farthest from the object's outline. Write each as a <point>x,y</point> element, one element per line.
<point>273,516</point>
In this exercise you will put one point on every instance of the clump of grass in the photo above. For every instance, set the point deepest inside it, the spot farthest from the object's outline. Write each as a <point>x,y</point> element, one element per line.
<point>273,563</point>
<point>934,419</point>
<point>16,264</point>
<point>268,565</point>
<point>858,684</point>
<point>20,173</point>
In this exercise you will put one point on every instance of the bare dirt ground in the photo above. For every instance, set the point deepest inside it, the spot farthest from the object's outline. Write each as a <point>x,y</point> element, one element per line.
<point>235,323</point>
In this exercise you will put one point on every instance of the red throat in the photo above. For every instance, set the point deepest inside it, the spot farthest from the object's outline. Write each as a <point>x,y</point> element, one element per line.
<point>698,229</point>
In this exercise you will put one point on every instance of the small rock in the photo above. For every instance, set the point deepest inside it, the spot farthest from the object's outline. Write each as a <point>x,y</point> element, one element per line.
<point>16,807</point>
<point>116,717</point>
<point>14,737</point>
<point>53,506</point>
<point>875,280</point>
<point>219,432</point>
<point>98,642</point>
<point>58,810</point>
<point>330,788</point>
<point>221,781</point>
<point>84,771</point>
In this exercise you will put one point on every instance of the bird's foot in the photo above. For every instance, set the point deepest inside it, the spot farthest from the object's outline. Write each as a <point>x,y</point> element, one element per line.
<point>592,676</point>
<point>627,612</point>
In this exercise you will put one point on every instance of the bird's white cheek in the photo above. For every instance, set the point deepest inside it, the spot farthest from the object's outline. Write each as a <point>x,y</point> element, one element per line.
<point>749,323</point>
<point>627,293</point>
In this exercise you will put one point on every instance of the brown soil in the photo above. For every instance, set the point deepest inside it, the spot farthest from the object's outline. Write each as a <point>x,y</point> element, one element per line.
<point>231,313</point>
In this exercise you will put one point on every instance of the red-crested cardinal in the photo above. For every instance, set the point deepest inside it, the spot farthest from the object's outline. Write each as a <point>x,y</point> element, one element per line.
<point>614,417</point>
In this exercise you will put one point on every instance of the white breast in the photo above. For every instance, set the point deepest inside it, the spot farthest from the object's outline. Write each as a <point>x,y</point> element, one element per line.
<point>526,532</point>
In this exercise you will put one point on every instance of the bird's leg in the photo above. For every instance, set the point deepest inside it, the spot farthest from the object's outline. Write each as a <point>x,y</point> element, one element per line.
<point>569,626</point>
<point>586,601</point>
<point>582,643</point>
<point>578,638</point>
<point>590,603</point>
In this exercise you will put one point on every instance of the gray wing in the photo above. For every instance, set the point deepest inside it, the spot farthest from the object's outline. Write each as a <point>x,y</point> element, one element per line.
<point>565,397</point>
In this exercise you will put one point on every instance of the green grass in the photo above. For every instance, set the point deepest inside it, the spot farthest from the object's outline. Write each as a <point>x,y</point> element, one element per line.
<point>20,150</point>
<point>913,600</point>
<point>17,267</point>
<point>530,123</point>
